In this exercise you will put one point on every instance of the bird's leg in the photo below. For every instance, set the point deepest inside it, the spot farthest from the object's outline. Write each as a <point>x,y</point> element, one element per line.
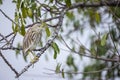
<point>30,56</point>
<point>33,54</point>
<point>35,58</point>
<point>29,53</point>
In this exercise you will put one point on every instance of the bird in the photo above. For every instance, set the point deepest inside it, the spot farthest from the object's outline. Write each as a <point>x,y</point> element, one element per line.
<point>32,38</point>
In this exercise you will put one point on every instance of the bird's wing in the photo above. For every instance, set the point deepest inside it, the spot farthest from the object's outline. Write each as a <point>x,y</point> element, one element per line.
<point>28,41</point>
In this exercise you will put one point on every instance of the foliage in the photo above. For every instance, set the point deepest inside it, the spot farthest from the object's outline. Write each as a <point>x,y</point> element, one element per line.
<point>101,22</point>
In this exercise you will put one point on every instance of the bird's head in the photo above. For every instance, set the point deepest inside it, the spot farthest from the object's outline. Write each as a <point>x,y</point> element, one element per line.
<point>38,26</point>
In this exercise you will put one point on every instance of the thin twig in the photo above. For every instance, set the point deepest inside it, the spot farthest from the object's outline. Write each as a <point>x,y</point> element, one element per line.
<point>8,17</point>
<point>12,39</point>
<point>8,63</point>
<point>58,2</point>
<point>7,36</point>
<point>48,8</point>
<point>16,48</point>
<point>113,12</point>
<point>111,36</point>
<point>89,72</point>
<point>45,20</point>
<point>4,38</point>
<point>93,57</point>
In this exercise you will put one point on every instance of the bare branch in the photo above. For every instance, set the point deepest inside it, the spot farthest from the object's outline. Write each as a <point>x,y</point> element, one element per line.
<point>111,36</point>
<point>15,48</point>
<point>95,4</point>
<point>93,57</point>
<point>8,63</point>
<point>8,17</point>
<point>90,72</point>
<point>7,36</point>
<point>4,38</point>
<point>58,2</point>
<point>48,8</point>
<point>12,39</point>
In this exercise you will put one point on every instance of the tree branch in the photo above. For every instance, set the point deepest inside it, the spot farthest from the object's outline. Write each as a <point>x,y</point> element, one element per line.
<point>7,36</point>
<point>89,56</point>
<point>8,17</point>
<point>16,48</point>
<point>95,4</point>
<point>89,72</point>
<point>8,64</point>
<point>3,37</point>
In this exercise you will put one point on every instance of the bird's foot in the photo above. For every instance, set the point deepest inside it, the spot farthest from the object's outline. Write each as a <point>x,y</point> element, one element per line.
<point>34,60</point>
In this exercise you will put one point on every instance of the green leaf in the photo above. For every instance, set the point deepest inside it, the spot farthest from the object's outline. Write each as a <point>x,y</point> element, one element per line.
<point>47,31</point>
<point>56,49</point>
<point>63,75</point>
<point>23,30</point>
<point>57,70</point>
<point>97,17</point>
<point>18,4</point>
<point>55,46</point>
<point>55,54</point>
<point>24,10</point>
<point>104,38</point>
<point>68,3</point>
<point>16,17</point>
<point>76,24</point>
<point>1,2</point>
<point>43,25</point>
<point>14,28</point>
<point>18,51</point>
<point>14,1</point>
<point>39,11</point>
<point>32,1</point>
<point>30,13</point>
<point>22,4</point>
<point>116,11</point>
<point>93,51</point>
<point>51,1</point>
<point>70,15</point>
<point>82,49</point>
<point>33,6</point>
<point>70,60</point>
<point>101,50</point>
